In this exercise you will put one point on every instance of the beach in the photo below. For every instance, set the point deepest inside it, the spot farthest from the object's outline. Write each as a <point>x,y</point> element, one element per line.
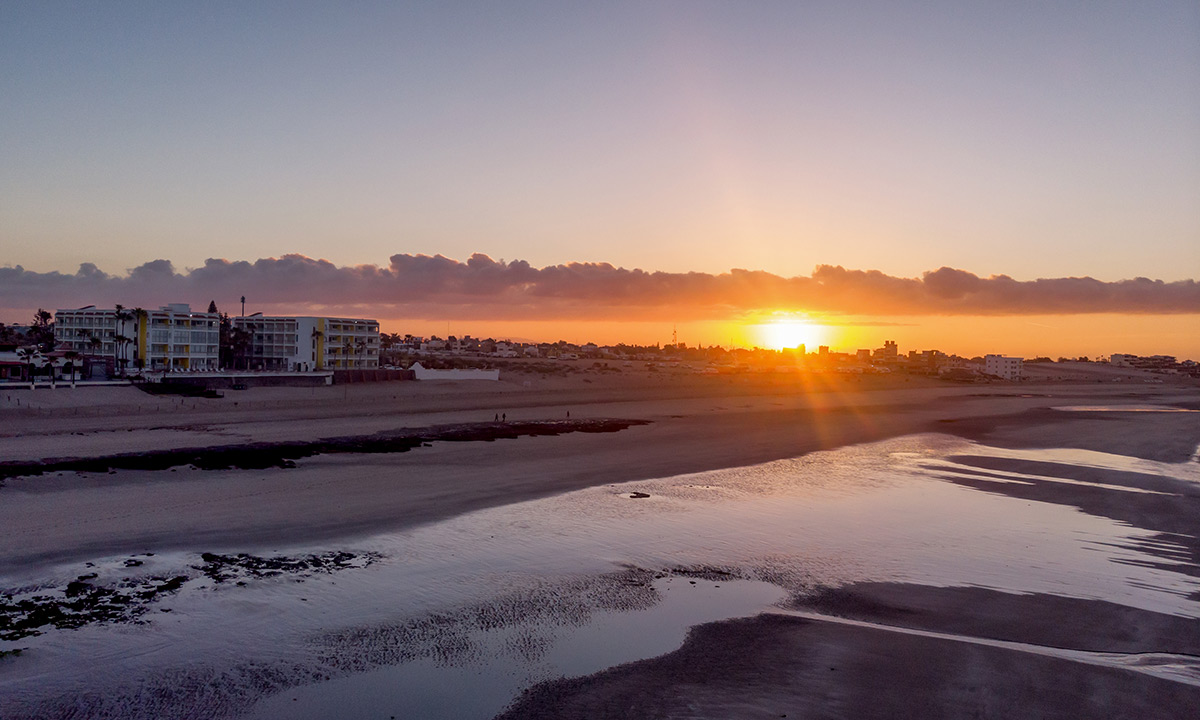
<point>847,635</point>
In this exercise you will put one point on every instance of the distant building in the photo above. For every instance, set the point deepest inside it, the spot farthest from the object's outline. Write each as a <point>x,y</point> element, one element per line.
<point>887,353</point>
<point>864,355</point>
<point>1009,368</point>
<point>306,343</point>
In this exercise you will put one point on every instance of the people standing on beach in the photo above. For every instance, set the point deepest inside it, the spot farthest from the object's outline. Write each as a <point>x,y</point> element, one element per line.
<point>504,417</point>
<point>497,418</point>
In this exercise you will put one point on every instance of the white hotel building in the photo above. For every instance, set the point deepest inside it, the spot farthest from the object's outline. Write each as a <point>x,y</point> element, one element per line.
<point>170,338</point>
<point>1009,368</point>
<point>305,343</point>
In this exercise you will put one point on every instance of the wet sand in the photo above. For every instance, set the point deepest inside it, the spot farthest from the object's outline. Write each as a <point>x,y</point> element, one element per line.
<point>774,666</point>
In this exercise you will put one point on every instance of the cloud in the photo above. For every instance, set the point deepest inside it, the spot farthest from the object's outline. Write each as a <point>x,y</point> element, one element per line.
<point>483,288</point>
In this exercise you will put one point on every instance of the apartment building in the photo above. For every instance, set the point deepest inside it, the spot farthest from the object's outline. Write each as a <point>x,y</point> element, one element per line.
<point>94,332</point>
<point>304,343</point>
<point>169,338</point>
<point>175,338</point>
<point>1009,368</point>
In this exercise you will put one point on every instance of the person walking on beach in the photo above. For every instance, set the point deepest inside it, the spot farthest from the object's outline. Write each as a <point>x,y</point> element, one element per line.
<point>504,417</point>
<point>497,418</point>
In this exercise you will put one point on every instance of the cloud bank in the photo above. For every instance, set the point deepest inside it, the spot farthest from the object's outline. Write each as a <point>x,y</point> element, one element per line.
<point>482,288</point>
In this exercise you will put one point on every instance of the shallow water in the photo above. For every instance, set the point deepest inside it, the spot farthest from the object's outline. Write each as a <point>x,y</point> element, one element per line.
<point>498,600</point>
<point>1124,408</point>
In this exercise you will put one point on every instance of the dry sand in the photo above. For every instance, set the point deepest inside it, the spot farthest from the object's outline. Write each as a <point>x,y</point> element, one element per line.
<point>696,423</point>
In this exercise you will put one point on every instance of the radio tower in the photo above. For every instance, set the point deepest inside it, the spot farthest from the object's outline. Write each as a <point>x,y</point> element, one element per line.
<point>674,337</point>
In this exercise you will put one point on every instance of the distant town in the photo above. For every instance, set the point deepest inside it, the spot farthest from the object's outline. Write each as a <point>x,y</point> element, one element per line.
<point>97,344</point>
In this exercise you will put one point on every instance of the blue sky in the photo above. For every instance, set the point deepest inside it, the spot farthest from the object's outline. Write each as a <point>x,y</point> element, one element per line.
<point>1033,139</point>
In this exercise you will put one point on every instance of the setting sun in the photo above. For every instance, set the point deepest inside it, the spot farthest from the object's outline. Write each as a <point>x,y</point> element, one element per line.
<point>780,334</point>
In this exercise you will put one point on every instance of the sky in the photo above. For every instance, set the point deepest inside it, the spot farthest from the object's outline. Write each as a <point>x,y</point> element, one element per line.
<point>699,143</point>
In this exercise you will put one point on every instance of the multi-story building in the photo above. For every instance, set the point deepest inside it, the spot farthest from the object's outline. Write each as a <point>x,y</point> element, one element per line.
<point>304,343</point>
<point>1009,368</point>
<point>175,338</point>
<point>94,332</point>
<point>170,338</point>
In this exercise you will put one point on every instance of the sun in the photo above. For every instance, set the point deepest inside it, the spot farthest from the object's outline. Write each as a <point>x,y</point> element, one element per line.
<point>781,334</point>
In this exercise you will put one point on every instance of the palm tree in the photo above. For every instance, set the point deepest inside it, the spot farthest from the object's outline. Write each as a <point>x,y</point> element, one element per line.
<point>121,356</point>
<point>346,348</point>
<point>141,316</point>
<point>72,357</point>
<point>54,364</point>
<point>317,335</point>
<point>240,342</point>
<point>29,355</point>
<point>361,346</point>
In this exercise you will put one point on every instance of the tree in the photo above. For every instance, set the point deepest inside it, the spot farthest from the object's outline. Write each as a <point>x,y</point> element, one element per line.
<point>235,343</point>
<point>141,318</point>
<point>29,355</point>
<point>121,340</point>
<point>41,331</point>
<point>8,335</point>
<point>361,346</point>
<point>72,357</point>
<point>212,306</point>
<point>346,348</point>
<point>317,335</point>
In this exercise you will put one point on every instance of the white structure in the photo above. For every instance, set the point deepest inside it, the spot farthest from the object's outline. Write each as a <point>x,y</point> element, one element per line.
<point>1009,368</point>
<point>170,338</point>
<point>92,331</point>
<point>175,338</point>
<point>423,373</point>
<point>1122,359</point>
<point>304,343</point>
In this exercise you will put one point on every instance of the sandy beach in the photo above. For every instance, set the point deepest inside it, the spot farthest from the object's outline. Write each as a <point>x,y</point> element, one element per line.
<point>766,666</point>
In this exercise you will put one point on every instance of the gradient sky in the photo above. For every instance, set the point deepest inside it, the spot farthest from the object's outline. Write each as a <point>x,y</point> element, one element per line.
<point>1037,140</point>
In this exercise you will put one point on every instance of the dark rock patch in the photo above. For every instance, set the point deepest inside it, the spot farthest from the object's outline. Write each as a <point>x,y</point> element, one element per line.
<point>260,456</point>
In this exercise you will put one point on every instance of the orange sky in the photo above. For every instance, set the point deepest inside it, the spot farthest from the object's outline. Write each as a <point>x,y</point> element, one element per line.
<point>1025,336</point>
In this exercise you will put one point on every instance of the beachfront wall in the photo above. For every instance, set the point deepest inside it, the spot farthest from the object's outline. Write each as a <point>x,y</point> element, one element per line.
<point>423,373</point>
<point>235,380</point>
<point>341,377</point>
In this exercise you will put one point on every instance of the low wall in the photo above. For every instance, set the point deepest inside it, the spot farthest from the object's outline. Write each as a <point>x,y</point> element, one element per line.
<point>366,376</point>
<point>423,373</point>
<point>225,381</point>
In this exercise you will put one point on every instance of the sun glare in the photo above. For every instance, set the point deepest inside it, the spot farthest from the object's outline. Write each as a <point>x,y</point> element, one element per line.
<point>780,334</point>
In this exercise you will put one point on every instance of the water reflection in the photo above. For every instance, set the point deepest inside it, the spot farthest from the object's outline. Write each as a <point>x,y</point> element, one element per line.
<point>497,600</point>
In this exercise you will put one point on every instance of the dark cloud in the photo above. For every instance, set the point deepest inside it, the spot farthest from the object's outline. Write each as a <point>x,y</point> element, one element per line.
<point>483,288</point>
